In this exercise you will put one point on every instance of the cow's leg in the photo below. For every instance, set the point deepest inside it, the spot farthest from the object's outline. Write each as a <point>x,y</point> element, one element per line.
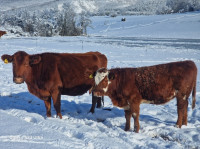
<point>136,113</point>
<point>95,100</point>
<point>182,104</point>
<point>48,106</point>
<point>56,102</point>
<point>99,100</point>
<point>128,114</point>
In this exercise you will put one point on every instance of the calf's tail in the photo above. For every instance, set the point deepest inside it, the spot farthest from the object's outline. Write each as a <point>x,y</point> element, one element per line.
<point>194,95</point>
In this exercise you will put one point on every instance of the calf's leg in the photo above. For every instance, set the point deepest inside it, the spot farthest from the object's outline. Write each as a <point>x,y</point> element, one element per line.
<point>184,122</point>
<point>182,105</point>
<point>136,114</point>
<point>128,119</point>
<point>133,111</point>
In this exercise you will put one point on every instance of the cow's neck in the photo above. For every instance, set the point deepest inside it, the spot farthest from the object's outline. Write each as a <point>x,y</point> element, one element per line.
<point>30,81</point>
<point>35,90</point>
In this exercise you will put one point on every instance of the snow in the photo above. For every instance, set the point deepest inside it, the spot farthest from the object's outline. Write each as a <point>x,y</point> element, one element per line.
<point>139,41</point>
<point>157,26</point>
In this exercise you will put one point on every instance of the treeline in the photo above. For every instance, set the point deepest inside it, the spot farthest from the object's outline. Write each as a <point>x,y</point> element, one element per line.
<point>148,7</point>
<point>49,22</point>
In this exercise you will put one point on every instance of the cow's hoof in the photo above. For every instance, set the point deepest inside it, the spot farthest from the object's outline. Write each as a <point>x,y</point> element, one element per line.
<point>126,129</point>
<point>91,111</point>
<point>48,115</point>
<point>59,115</point>
<point>177,126</point>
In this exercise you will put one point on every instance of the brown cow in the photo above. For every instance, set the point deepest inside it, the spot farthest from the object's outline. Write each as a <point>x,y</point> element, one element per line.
<point>129,87</point>
<point>54,74</point>
<point>2,33</point>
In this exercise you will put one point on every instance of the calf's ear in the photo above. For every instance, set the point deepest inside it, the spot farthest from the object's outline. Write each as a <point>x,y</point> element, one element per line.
<point>34,59</point>
<point>7,58</point>
<point>111,76</point>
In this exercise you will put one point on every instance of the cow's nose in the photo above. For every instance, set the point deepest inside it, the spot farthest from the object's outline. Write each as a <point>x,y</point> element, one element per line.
<point>18,80</point>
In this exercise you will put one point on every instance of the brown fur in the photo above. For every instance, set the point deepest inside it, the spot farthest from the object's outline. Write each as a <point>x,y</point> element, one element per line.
<point>54,74</point>
<point>129,87</point>
<point>2,33</point>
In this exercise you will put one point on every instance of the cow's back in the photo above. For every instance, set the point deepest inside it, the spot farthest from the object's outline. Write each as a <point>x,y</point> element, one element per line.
<point>72,69</point>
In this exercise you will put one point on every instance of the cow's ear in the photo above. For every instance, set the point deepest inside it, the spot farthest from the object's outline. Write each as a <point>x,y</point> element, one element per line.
<point>34,59</point>
<point>111,76</point>
<point>7,58</point>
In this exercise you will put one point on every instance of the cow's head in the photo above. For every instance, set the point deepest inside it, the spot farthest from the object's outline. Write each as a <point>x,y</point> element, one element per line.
<point>22,63</point>
<point>2,33</point>
<point>102,79</point>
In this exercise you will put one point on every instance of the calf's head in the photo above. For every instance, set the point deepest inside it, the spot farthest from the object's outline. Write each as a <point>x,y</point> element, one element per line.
<point>22,63</point>
<point>102,79</point>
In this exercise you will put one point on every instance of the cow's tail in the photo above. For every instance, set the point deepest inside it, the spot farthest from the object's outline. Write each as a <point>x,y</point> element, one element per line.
<point>194,95</point>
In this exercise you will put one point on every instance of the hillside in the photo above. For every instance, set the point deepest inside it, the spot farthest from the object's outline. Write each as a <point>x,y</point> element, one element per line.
<point>97,7</point>
<point>72,18</point>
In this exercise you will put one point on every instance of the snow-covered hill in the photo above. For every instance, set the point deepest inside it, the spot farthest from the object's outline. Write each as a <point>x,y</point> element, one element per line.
<point>104,7</point>
<point>71,17</point>
<point>184,25</point>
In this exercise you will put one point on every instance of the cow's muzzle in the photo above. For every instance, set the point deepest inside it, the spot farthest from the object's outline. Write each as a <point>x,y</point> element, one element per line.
<point>18,80</point>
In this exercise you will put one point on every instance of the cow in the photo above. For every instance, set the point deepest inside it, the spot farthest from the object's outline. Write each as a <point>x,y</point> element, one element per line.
<point>50,75</point>
<point>2,33</point>
<point>158,84</point>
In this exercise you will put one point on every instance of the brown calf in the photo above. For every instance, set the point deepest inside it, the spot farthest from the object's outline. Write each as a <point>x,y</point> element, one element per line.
<point>50,75</point>
<point>2,33</point>
<point>129,87</point>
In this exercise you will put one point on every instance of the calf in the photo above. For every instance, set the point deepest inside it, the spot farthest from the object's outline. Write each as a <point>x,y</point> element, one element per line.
<point>129,87</point>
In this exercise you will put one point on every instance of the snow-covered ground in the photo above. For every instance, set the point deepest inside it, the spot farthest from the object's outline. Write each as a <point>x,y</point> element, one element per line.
<point>139,41</point>
<point>157,26</point>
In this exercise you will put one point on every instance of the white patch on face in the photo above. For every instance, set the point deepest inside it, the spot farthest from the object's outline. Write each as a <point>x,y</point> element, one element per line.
<point>106,89</point>
<point>100,76</point>
<point>184,98</point>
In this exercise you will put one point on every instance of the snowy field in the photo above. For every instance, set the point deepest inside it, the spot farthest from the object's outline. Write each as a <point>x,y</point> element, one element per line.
<point>140,41</point>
